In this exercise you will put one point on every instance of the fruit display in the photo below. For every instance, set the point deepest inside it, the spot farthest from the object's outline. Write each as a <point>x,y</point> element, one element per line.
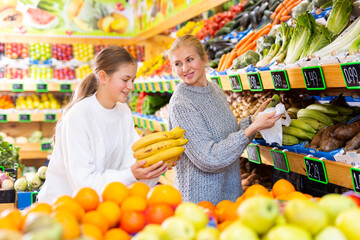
<point>16,73</point>
<point>31,181</point>
<point>16,50</point>
<point>98,48</point>
<point>6,102</point>
<point>83,52</point>
<point>190,28</point>
<point>2,50</point>
<point>161,146</point>
<point>149,67</point>
<point>64,73</point>
<point>82,71</point>
<point>62,52</point>
<point>252,173</point>
<point>46,101</point>
<point>40,51</point>
<point>43,73</point>
<point>35,137</point>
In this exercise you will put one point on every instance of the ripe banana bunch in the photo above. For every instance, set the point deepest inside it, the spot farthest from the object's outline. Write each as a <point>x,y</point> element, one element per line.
<point>160,146</point>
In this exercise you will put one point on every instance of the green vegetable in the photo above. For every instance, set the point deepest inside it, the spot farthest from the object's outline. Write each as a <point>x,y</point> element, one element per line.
<point>246,59</point>
<point>272,52</point>
<point>286,33</point>
<point>339,16</point>
<point>299,9</point>
<point>320,38</point>
<point>355,46</point>
<point>302,33</point>
<point>9,155</point>
<point>274,101</point>
<point>319,3</point>
<point>153,103</point>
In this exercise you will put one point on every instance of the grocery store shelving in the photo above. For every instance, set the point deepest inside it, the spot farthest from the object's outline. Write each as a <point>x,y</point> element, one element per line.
<point>34,117</point>
<point>150,124</point>
<point>32,151</point>
<point>31,87</point>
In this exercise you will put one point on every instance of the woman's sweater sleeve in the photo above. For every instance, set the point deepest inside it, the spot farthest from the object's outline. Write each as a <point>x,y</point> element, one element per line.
<point>205,153</point>
<point>80,163</point>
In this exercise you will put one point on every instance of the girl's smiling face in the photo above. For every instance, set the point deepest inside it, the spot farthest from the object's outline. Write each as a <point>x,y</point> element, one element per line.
<point>189,66</point>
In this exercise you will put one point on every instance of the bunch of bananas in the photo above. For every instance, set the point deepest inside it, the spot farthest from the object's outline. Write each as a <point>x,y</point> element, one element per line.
<point>160,146</point>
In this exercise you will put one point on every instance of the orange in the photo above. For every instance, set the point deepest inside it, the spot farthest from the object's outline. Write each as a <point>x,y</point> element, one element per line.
<point>256,190</point>
<point>164,194</point>
<point>69,224</point>
<point>292,195</point>
<point>281,187</point>
<point>134,203</point>
<point>308,196</point>
<point>222,226</point>
<point>111,212</point>
<point>116,192</point>
<point>40,207</point>
<point>63,199</point>
<point>87,198</point>
<point>132,222</point>
<point>220,209</point>
<point>223,203</point>
<point>96,218</point>
<point>90,230</point>
<point>71,206</point>
<point>207,204</point>
<point>139,189</point>
<point>116,234</point>
<point>239,200</point>
<point>12,216</point>
<point>230,212</point>
<point>157,213</point>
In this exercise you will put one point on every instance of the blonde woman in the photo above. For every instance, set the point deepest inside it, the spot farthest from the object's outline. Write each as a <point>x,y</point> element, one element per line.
<point>95,135</point>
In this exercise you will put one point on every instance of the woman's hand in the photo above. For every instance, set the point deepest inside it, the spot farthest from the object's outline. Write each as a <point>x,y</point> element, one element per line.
<point>260,109</point>
<point>263,122</point>
<point>153,171</point>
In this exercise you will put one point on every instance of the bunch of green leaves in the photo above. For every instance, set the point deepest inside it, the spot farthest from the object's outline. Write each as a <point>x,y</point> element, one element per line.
<point>153,103</point>
<point>320,38</point>
<point>339,16</point>
<point>9,155</point>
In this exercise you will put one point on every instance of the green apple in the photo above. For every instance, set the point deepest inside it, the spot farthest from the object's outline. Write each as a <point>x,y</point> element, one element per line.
<point>192,213</point>
<point>208,233</point>
<point>143,235</point>
<point>154,228</point>
<point>333,204</point>
<point>348,222</point>
<point>178,228</point>
<point>238,231</point>
<point>258,213</point>
<point>287,232</point>
<point>307,214</point>
<point>330,233</point>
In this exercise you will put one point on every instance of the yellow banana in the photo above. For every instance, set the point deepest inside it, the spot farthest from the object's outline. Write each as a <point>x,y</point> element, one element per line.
<point>163,156</point>
<point>156,147</point>
<point>178,132</point>
<point>151,139</point>
<point>182,141</point>
<point>171,161</point>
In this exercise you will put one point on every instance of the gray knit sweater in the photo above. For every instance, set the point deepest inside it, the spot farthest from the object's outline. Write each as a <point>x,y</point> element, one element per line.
<point>209,169</point>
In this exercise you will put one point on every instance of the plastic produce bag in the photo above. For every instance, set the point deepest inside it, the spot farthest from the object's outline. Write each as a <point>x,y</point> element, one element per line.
<point>274,134</point>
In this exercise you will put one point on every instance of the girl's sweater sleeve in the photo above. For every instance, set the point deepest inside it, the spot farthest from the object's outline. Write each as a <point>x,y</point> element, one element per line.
<point>80,163</point>
<point>205,153</point>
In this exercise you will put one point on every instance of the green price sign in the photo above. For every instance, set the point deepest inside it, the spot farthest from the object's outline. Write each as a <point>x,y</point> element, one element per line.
<point>65,87</point>
<point>17,87</point>
<point>144,123</point>
<point>161,86</point>
<point>41,87</point>
<point>280,80</point>
<point>280,160</point>
<point>49,117</point>
<point>255,81</point>
<point>216,79</point>
<point>315,170</point>
<point>3,118</point>
<point>24,118</point>
<point>253,153</point>
<point>314,78</point>
<point>151,125</point>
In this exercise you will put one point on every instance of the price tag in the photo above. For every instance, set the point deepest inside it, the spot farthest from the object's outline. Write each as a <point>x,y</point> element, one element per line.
<point>355,175</point>
<point>2,168</point>
<point>314,78</point>
<point>34,197</point>
<point>65,87</point>
<point>151,127</point>
<point>17,87</point>
<point>280,80</point>
<point>135,122</point>
<point>152,87</point>
<point>46,147</point>
<point>140,88</point>
<point>136,88</point>
<point>139,122</point>
<point>235,83</point>
<point>3,118</point>
<point>315,170</point>
<point>351,73</point>
<point>147,87</point>
<point>253,153</point>
<point>255,81</point>
<point>216,79</point>
<point>41,87</point>
<point>24,118</point>
<point>49,117</point>
<point>177,81</point>
<point>163,127</point>
<point>168,86</point>
<point>280,160</point>
<point>144,123</point>
<point>161,86</point>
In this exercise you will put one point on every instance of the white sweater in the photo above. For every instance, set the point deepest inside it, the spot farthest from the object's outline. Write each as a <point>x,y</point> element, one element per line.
<point>92,148</point>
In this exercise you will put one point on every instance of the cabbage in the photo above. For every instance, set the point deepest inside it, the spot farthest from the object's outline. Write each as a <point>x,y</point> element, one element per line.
<point>321,38</point>
<point>33,179</point>
<point>20,184</point>
<point>339,16</point>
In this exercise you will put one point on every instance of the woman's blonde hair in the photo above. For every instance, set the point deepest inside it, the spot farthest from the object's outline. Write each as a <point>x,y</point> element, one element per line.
<point>186,41</point>
<point>109,60</point>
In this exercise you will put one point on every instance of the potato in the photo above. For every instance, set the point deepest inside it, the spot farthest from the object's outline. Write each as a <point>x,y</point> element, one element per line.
<point>347,132</point>
<point>354,143</point>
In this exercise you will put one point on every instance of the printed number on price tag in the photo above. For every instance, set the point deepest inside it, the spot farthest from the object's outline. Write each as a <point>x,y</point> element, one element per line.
<point>3,118</point>
<point>65,87</point>
<point>315,170</point>
<point>280,80</point>
<point>355,175</point>
<point>235,83</point>
<point>351,73</point>
<point>255,81</point>
<point>280,160</point>
<point>314,78</point>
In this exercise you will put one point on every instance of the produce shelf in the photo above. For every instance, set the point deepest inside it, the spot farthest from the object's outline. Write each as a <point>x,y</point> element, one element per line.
<point>158,86</point>
<point>32,87</point>
<point>337,173</point>
<point>150,124</point>
<point>32,151</point>
<point>34,117</point>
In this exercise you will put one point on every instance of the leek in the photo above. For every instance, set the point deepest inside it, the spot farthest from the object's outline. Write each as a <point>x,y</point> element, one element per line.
<point>286,33</point>
<point>301,35</point>
<point>339,16</point>
<point>266,60</point>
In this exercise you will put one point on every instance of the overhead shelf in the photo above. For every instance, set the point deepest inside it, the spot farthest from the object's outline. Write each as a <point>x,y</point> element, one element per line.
<point>20,86</point>
<point>156,86</point>
<point>30,117</point>
<point>34,150</point>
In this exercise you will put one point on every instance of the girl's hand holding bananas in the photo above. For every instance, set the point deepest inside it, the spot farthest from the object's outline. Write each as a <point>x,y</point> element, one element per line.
<point>154,171</point>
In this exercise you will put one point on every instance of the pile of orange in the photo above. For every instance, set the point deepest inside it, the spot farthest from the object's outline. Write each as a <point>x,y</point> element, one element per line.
<point>122,212</point>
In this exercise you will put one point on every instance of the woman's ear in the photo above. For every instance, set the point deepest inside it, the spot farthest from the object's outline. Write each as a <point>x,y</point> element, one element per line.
<point>102,77</point>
